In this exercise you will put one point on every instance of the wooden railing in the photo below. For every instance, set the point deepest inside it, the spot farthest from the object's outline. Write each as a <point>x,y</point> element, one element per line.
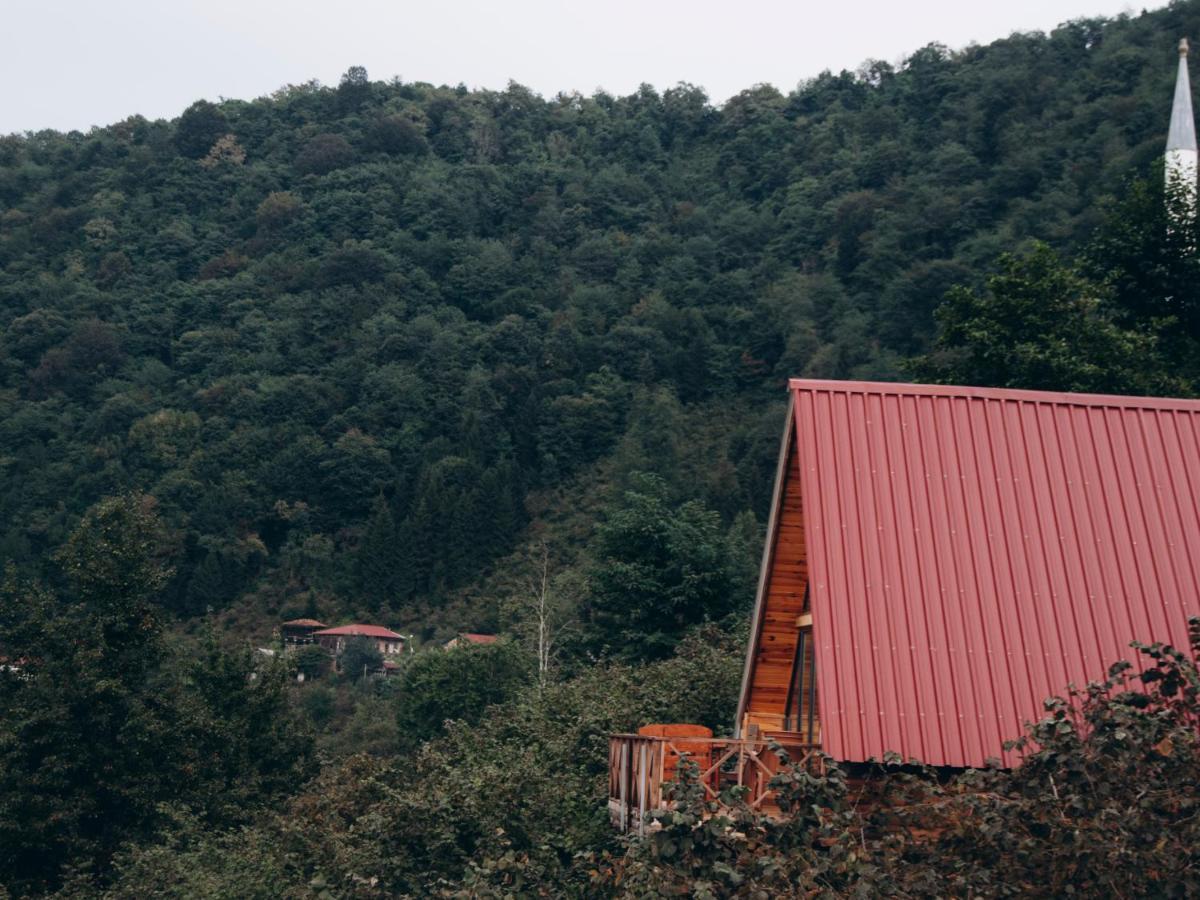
<point>641,766</point>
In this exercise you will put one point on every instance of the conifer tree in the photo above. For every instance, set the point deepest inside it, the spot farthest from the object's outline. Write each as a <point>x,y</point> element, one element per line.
<point>379,555</point>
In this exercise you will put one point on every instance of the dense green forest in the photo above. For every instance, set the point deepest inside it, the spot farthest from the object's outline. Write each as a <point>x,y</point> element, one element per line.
<point>354,340</point>
<point>429,356</point>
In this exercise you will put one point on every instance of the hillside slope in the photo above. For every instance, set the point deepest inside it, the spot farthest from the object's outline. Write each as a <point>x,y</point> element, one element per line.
<point>354,340</point>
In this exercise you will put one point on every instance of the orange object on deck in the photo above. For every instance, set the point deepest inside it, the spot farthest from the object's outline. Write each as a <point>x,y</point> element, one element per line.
<point>700,752</point>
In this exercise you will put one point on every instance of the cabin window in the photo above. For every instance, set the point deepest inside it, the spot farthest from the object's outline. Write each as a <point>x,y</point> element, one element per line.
<point>802,715</point>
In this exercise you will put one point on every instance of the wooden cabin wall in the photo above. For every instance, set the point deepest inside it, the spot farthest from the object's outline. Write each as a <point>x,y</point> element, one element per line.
<point>775,654</point>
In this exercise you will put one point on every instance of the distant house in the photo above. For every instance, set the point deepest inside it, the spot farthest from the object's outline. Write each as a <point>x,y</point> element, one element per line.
<point>466,638</point>
<point>14,666</point>
<point>388,642</point>
<point>300,631</point>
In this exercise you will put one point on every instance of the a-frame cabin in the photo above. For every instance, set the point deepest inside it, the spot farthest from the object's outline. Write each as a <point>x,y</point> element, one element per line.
<point>939,560</point>
<point>942,559</point>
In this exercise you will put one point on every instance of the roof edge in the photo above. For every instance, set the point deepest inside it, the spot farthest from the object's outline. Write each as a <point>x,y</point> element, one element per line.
<point>1021,395</point>
<point>349,631</point>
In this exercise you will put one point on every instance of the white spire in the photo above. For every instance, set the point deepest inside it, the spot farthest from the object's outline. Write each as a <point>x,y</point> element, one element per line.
<point>1182,135</point>
<point>1181,162</point>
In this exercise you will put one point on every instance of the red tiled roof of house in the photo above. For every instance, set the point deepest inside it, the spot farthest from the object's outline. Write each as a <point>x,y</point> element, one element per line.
<point>972,551</point>
<point>375,631</point>
<point>475,638</point>
<point>306,623</point>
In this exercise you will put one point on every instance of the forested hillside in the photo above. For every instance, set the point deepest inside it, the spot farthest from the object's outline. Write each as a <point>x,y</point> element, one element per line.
<point>456,360</point>
<point>354,340</point>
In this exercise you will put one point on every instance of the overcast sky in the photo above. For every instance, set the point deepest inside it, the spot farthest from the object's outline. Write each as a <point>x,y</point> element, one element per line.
<point>75,63</point>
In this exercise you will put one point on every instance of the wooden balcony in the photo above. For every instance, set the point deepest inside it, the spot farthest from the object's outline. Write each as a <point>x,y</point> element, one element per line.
<point>640,766</point>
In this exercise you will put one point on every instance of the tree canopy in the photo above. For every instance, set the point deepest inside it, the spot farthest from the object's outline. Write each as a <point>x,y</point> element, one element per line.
<point>103,730</point>
<point>661,569</point>
<point>399,315</point>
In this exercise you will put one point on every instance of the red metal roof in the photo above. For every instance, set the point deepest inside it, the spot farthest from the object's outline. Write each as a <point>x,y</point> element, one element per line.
<point>304,623</point>
<point>476,638</point>
<point>375,631</point>
<point>972,551</point>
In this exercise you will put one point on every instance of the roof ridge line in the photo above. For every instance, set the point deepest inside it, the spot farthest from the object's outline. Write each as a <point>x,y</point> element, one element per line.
<point>1026,395</point>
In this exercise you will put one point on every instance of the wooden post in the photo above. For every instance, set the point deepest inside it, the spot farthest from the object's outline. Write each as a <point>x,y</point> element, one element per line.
<point>624,785</point>
<point>643,786</point>
<point>662,774</point>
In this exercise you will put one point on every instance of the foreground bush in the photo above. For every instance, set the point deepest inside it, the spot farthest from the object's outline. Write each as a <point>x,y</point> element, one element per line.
<point>1106,803</point>
<point>518,796</point>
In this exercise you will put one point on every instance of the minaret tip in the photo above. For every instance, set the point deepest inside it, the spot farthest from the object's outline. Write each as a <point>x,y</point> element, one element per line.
<point>1182,155</point>
<point>1182,133</point>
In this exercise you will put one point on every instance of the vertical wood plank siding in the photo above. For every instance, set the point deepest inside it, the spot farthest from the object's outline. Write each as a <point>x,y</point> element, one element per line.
<point>775,652</point>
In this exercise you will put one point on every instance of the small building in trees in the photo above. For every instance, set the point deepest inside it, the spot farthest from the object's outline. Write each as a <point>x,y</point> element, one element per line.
<point>939,560</point>
<point>386,641</point>
<point>298,632</point>
<point>470,638</point>
<point>14,666</point>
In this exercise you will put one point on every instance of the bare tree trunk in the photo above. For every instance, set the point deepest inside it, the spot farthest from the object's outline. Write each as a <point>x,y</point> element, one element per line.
<point>542,612</point>
<point>543,625</point>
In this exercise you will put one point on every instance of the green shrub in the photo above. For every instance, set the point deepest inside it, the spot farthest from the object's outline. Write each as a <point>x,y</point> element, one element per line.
<point>460,685</point>
<point>312,661</point>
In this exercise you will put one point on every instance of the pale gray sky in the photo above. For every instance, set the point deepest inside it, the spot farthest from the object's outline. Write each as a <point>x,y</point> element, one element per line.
<point>75,63</point>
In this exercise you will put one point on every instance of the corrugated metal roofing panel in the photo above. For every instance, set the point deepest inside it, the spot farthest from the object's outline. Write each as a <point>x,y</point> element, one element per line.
<point>973,551</point>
